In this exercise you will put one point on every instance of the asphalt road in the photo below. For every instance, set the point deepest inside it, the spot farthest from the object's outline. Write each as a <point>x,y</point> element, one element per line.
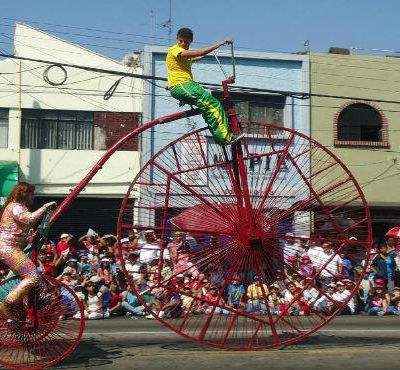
<point>359,342</point>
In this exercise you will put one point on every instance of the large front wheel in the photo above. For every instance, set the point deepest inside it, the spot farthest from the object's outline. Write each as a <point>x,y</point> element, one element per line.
<point>249,238</point>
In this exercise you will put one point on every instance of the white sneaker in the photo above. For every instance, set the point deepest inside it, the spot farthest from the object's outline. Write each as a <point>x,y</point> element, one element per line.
<point>161,314</point>
<point>149,317</point>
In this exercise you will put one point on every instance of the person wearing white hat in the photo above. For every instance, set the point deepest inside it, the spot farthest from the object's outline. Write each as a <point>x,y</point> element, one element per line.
<point>64,246</point>
<point>341,295</point>
<point>323,303</point>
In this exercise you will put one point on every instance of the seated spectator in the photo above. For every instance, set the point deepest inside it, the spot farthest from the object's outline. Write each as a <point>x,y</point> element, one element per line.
<point>153,270</point>
<point>93,303</point>
<point>131,242</point>
<point>72,266</point>
<point>80,293</point>
<point>294,301</point>
<point>117,305</point>
<point>84,261</point>
<point>310,294</point>
<point>303,247</point>
<point>216,274</point>
<point>380,302</point>
<point>395,299</point>
<point>188,301</point>
<point>306,268</point>
<point>291,267</point>
<point>183,263</point>
<point>346,266</point>
<point>174,245</point>
<point>327,263</point>
<point>256,296</point>
<point>323,303</point>
<point>64,246</point>
<point>280,280</point>
<point>94,262</point>
<point>274,299</point>
<point>169,304</point>
<point>341,295</point>
<point>48,263</point>
<point>211,299</point>
<point>66,279</point>
<point>365,287</point>
<point>157,298</point>
<point>384,266</point>
<point>91,241</point>
<point>133,306</point>
<point>236,293</point>
<point>150,250</point>
<point>132,266</point>
<point>104,271</point>
<point>197,284</point>
<point>108,243</point>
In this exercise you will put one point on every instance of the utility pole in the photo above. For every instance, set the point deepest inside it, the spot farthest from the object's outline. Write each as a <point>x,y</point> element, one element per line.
<point>152,22</point>
<point>168,23</point>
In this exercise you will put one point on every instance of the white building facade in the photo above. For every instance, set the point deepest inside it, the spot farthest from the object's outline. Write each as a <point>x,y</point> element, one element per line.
<point>51,134</point>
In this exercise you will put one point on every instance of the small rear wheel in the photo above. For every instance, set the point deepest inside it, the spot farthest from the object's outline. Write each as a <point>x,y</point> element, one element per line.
<point>49,326</point>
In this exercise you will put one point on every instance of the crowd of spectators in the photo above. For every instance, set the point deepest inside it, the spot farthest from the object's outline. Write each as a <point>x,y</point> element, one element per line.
<point>172,283</point>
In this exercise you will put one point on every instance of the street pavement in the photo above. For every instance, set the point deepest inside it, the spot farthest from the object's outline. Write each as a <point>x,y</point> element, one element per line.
<point>358,342</point>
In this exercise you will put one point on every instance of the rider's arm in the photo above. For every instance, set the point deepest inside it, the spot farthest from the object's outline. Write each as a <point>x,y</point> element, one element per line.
<point>21,214</point>
<point>196,59</point>
<point>204,51</point>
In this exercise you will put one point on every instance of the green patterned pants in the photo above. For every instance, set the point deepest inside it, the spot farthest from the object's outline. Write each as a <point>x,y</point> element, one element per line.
<point>211,109</point>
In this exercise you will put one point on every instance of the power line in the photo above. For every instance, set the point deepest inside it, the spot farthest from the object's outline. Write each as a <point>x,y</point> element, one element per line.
<point>294,94</point>
<point>283,78</point>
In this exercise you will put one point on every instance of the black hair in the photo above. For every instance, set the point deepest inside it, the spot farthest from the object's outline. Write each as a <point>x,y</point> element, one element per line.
<point>186,33</point>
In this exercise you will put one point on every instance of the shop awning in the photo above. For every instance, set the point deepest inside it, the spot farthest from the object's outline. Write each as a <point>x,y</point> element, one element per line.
<point>8,178</point>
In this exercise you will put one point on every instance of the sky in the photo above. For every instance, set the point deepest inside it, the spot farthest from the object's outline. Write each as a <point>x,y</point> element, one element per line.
<point>114,28</point>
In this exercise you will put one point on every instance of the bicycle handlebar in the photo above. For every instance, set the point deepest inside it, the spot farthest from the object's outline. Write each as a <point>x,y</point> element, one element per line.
<point>233,62</point>
<point>233,76</point>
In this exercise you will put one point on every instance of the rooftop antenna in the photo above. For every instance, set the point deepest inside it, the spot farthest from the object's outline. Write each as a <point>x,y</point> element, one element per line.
<point>307,46</point>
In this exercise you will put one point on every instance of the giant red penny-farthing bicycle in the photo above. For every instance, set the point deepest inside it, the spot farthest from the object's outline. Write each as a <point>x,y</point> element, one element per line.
<point>236,204</point>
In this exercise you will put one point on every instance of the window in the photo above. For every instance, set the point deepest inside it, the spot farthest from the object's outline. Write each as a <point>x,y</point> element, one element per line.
<point>361,124</point>
<point>3,128</point>
<point>258,108</point>
<point>51,129</point>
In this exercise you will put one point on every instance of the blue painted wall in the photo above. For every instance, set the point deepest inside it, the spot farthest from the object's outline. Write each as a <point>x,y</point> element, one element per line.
<point>287,72</point>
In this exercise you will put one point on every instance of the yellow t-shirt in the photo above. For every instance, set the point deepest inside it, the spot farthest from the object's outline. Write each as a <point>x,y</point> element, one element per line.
<point>254,292</point>
<point>179,68</point>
